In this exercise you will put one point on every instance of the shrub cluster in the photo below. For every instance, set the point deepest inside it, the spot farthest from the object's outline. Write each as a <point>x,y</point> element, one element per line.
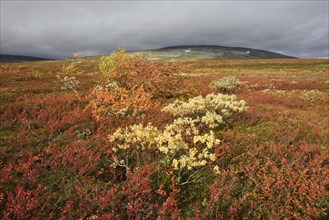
<point>312,95</point>
<point>187,143</point>
<point>277,92</point>
<point>116,65</point>
<point>220,104</point>
<point>134,71</point>
<point>68,82</point>
<point>68,69</point>
<point>114,100</point>
<point>227,84</point>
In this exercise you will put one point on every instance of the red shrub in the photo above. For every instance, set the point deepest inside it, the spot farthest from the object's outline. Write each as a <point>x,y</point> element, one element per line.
<point>24,203</point>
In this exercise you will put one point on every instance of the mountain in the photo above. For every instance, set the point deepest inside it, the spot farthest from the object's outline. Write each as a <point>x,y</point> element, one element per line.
<point>14,58</point>
<point>209,52</point>
<point>193,52</point>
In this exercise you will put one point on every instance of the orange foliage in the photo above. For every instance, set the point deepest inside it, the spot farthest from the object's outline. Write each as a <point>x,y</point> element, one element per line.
<point>132,72</point>
<point>118,101</point>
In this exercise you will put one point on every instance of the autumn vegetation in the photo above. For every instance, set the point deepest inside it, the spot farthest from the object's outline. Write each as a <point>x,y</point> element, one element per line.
<point>122,137</point>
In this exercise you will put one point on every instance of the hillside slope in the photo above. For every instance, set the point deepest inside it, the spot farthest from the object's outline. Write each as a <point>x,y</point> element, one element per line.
<point>14,58</point>
<point>210,52</point>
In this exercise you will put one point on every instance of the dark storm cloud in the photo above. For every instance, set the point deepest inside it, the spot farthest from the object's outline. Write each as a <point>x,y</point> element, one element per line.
<point>59,28</point>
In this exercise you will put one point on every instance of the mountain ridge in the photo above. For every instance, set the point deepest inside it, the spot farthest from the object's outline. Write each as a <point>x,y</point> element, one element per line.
<point>6,58</point>
<point>182,52</point>
<point>210,52</point>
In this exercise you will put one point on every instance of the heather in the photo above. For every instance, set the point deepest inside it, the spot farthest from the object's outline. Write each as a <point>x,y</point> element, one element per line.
<point>121,137</point>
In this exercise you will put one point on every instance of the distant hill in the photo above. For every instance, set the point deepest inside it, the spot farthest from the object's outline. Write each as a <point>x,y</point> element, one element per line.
<point>210,52</point>
<point>193,52</point>
<point>14,58</point>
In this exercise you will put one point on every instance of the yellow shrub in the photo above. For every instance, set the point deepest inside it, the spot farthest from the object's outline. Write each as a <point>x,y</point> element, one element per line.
<point>116,65</point>
<point>188,143</point>
<point>68,69</point>
<point>220,104</point>
<point>179,145</point>
<point>226,84</point>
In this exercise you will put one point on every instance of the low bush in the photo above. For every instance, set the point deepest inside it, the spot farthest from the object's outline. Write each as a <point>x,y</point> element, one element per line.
<point>185,145</point>
<point>68,82</point>
<point>221,104</point>
<point>68,69</point>
<point>227,84</point>
<point>131,72</point>
<point>312,95</point>
<point>113,100</point>
<point>66,78</point>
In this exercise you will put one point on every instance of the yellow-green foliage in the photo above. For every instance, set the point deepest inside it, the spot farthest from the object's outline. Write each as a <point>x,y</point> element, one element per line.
<point>109,64</point>
<point>187,143</point>
<point>180,145</point>
<point>69,69</point>
<point>35,74</point>
<point>136,136</point>
<point>220,104</point>
<point>277,92</point>
<point>212,120</point>
<point>226,84</point>
<point>77,55</point>
<point>312,95</point>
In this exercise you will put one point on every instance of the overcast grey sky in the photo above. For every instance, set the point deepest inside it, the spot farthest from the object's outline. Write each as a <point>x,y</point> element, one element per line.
<point>56,29</point>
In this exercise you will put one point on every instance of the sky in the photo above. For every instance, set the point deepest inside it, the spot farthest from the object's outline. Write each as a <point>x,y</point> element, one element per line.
<point>59,28</point>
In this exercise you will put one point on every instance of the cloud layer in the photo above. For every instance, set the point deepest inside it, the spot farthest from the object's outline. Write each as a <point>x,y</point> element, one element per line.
<point>56,29</point>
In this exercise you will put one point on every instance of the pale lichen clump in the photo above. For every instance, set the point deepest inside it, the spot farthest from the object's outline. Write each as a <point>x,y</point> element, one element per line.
<point>312,95</point>
<point>220,104</point>
<point>277,92</point>
<point>226,84</point>
<point>68,82</point>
